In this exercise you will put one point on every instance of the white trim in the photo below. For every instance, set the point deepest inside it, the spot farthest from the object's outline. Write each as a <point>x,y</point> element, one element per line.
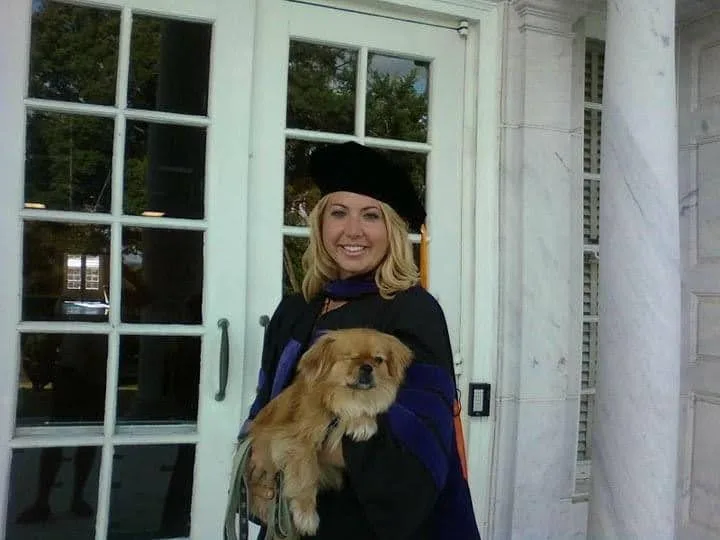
<point>60,216</point>
<point>421,11</point>
<point>361,94</point>
<point>481,222</point>
<point>13,74</point>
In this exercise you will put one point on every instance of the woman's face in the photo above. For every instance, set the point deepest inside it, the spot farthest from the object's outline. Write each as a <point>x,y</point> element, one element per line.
<point>354,233</point>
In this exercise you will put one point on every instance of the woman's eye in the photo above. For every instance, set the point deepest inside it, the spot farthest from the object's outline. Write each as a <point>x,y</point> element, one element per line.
<point>372,216</point>
<point>337,213</point>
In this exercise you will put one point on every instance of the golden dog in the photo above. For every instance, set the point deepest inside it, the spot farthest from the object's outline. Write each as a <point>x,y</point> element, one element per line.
<point>344,380</point>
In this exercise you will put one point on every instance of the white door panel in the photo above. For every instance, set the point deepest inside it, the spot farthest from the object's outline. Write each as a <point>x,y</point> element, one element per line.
<point>700,221</point>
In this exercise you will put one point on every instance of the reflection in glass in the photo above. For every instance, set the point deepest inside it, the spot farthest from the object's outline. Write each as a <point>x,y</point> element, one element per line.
<point>73,53</point>
<point>158,379</point>
<point>321,88</point>
<point>416,254</point>
<point>397,98</point>
<point>62,379</point>
<point>53,493</point>
<point>301,194</point>
<point>169,65</point>
<point>65,272</point>
<point>162,276</point>
<point>151,493</point>
<point>164,170</point>
<point>68,162</point>
<point>415,164</point>
<point>293,249</point>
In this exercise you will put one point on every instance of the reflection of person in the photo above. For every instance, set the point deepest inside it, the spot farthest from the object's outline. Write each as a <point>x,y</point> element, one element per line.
<point>78,395</point>
<point>405,482</point>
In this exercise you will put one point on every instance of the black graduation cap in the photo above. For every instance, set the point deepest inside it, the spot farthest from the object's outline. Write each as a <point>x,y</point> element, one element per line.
<point>356,168</point>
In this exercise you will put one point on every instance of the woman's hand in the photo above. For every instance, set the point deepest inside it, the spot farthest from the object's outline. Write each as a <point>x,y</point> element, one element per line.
<point>261,488</point>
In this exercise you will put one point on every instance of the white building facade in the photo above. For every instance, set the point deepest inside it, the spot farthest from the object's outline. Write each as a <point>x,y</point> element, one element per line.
<point>152,213</point>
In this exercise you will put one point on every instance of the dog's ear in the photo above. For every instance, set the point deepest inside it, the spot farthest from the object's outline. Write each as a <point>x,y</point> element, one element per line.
<point>400,358</point>
<point>316,359</point>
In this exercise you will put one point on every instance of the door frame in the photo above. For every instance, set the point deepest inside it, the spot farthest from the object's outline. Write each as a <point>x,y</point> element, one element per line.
<point>481,153</point>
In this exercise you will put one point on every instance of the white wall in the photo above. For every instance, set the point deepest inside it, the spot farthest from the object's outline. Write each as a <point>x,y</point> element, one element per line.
<point>541,278</point>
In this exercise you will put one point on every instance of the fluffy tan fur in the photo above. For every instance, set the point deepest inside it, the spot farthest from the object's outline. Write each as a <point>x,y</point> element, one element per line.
<point>352,375</point>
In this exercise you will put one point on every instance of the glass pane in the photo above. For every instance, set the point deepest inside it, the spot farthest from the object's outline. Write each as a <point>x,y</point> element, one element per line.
<point>416,255</point>
<point>53,493</point>
<point>164,170</point>
<point>293,249</point>
<point>65,272</point>
<point>301,194</point>
<point>159,379</point>
<point>68,162</point>
<point>397,98</point>
<point>151,492</point>
<point>416,165</point>
<point>169,65</point>
<point>321,88</point>
<point>73,53</point>
<point>62,379</point>
<point>162,275</point>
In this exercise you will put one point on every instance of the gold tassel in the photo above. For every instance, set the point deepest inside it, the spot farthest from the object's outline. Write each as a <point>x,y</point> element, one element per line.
<point>424,278</point>
<point>457,408</point>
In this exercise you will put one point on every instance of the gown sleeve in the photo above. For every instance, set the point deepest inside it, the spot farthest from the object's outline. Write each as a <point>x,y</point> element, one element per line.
<point>398,474</point>
<point>276,333</point>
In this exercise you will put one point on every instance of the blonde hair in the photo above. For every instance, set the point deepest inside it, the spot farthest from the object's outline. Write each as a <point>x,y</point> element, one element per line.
<point>397,271</point>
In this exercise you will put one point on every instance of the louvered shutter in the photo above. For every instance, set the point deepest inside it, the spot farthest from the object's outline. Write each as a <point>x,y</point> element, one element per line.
<point>594,65</point>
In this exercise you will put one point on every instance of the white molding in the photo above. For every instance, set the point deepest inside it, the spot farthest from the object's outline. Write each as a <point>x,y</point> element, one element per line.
<point>14,36</point>
<point>416,10</point>
<point>554,17</point>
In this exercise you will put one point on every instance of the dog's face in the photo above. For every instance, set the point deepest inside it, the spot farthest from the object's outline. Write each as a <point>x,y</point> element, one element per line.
<point>357,360</point>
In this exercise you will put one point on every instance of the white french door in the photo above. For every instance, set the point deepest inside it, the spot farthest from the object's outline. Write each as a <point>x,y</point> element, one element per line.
<point>337,76</point>
<point>124,129</point>
<point>328,75</point>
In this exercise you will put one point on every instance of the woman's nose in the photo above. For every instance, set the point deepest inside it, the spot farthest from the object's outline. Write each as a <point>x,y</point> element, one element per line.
<point>353,227</point>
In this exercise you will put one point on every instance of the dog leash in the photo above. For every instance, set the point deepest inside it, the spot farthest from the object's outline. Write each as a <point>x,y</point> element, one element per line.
<point>280,525</point>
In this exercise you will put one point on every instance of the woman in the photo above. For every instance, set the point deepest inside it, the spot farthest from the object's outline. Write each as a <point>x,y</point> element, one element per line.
<point>406,481</point>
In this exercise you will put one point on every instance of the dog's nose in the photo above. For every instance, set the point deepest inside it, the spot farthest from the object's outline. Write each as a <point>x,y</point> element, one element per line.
<point>366,369</point>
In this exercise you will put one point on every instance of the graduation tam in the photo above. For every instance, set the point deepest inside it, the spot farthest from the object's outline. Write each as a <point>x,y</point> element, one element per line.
<point>358,169</point>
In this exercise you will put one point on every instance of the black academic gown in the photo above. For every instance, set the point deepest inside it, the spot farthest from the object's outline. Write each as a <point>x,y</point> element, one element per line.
<point>405,482</point>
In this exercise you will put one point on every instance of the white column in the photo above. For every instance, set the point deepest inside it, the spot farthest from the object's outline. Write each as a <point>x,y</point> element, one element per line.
<point>635,431</point>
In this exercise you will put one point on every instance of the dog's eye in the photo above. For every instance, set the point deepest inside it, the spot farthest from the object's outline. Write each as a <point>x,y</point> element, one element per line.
<point>379,359</point>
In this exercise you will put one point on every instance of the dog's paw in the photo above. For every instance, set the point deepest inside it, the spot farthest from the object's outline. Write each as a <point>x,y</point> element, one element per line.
<point>362,429</point>
<point>305,517</point>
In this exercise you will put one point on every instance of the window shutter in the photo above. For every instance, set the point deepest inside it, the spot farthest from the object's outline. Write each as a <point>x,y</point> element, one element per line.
<point>594,68</point>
